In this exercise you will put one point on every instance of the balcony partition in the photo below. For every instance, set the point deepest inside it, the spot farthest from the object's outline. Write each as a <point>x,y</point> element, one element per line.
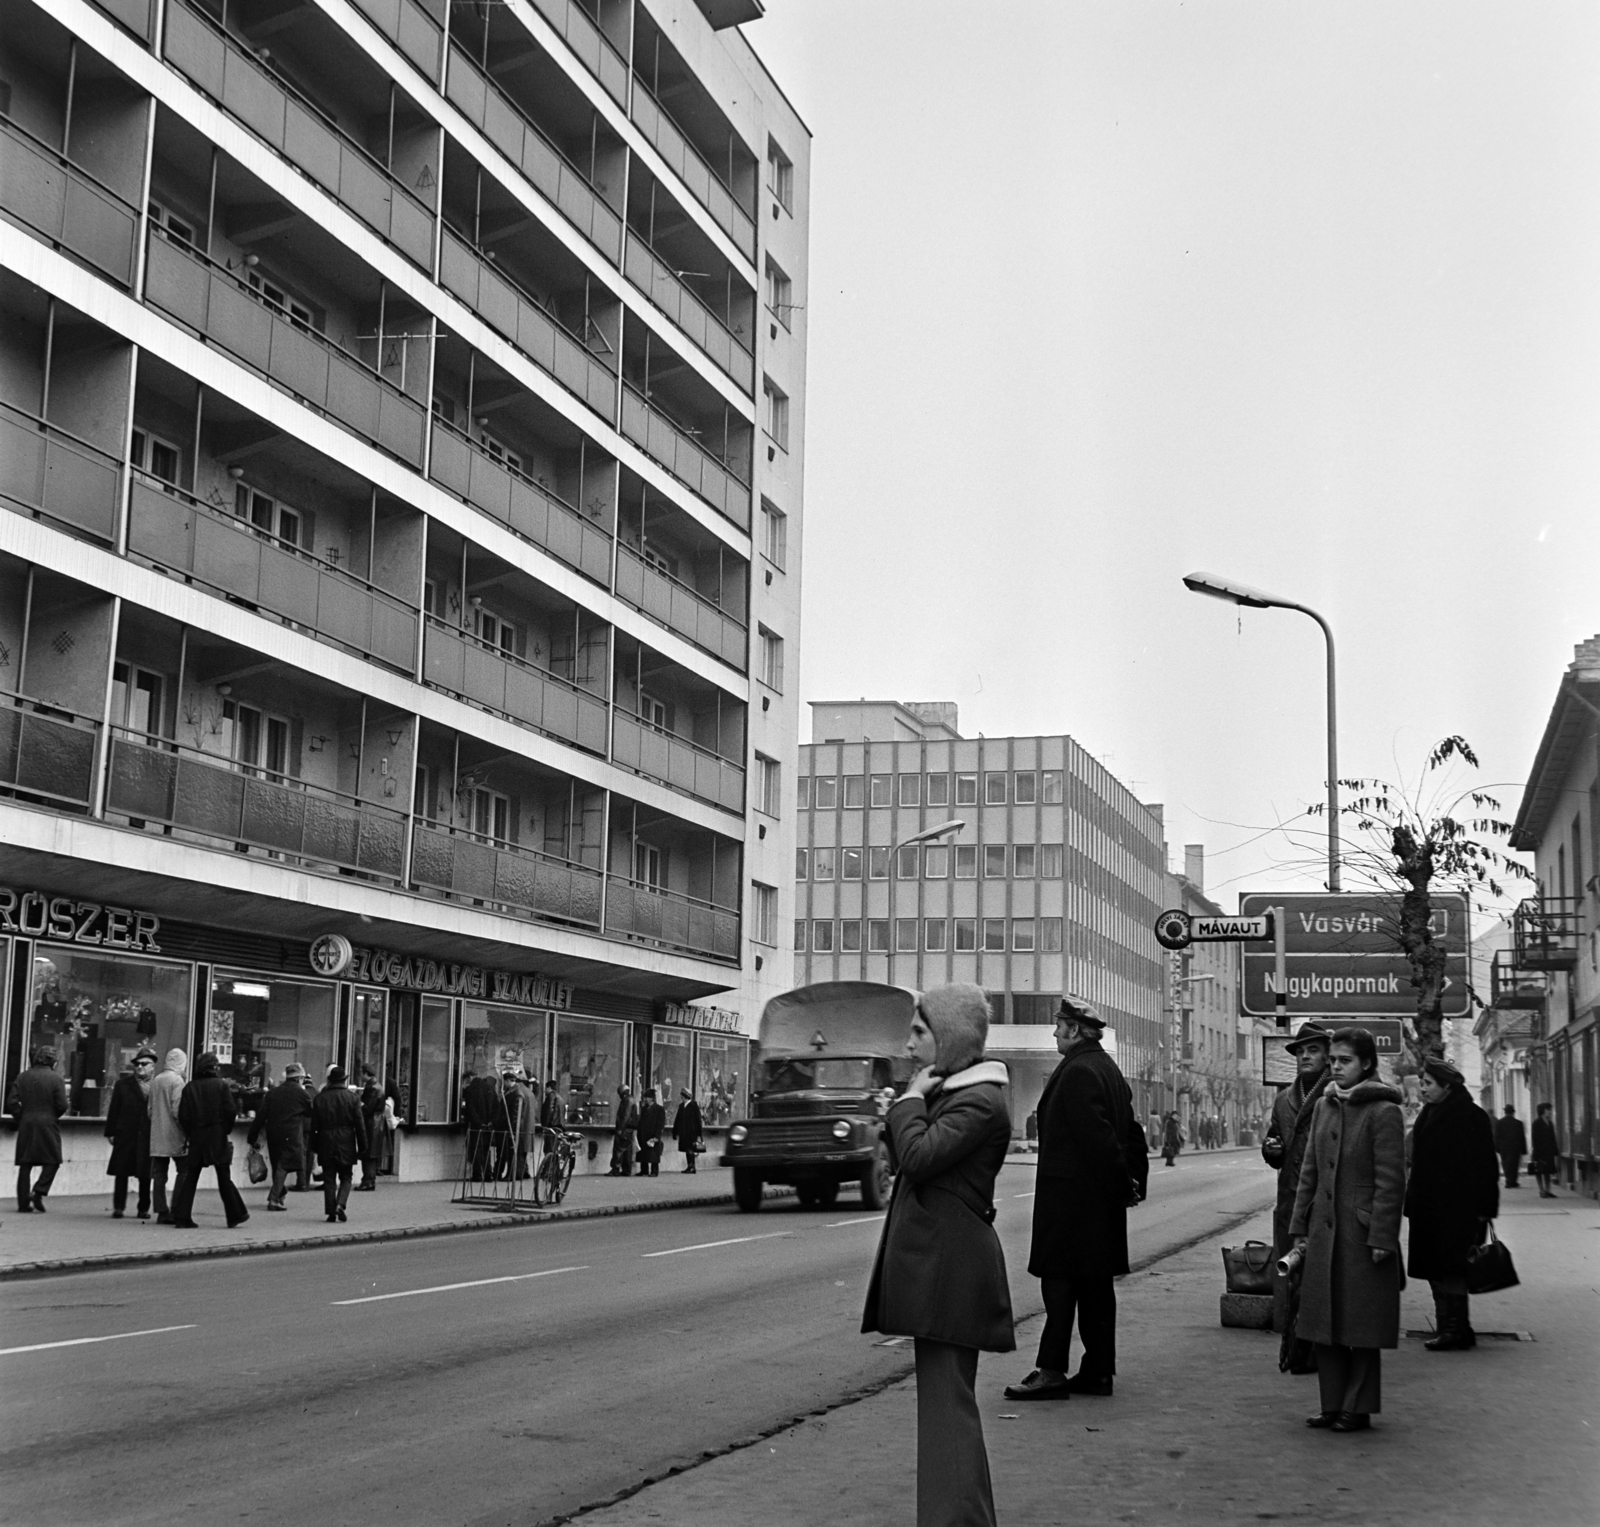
<point>53,475</point>
<point>667,918</point>
<point>675,761</point>
<point>597,52</point>
<point>46,753</point>
<point>504,876</point>
<point>687,460</point>
<point>657,280</point>
<point>688,164</point>
<point>198,292</point>
<point>679,608</point>
<point>182,534</point>
<point>416,29</point>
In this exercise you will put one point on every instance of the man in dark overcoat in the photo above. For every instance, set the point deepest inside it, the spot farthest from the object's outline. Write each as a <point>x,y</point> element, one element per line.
<point>285,1119</point>
<point>340,1136</point>
<point>1083,1188</point>
<point>206,1112</point>
<point>1511,1144</point>
<point>652,1127</point>
<point>37,1100</point>
<point>480,1106</point>
<point>622,1142</point>
<point>1290,1127</point>
<point>688,1126</point>
<point>128,1130</point>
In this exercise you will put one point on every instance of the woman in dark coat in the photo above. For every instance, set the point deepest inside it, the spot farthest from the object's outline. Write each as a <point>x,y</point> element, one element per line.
<point>1171,1139</point>
<point>206,1112</point>
<point>1346,1224</point>
<point>128,1130</point>
<point>688,1127</point>
<point>1545,1150</point>
<point>339,1136</point>
<point>37,1100</point>
<point>1453,1193</point>
<point>940,1275</point>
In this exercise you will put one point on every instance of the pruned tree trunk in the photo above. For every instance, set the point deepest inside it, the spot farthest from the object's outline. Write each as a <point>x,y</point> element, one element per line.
<point>1414,863</point>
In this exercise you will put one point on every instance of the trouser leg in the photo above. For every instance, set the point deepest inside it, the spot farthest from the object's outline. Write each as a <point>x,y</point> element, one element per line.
<point>24,1187</point>
<point>280,1181</point>
<point>346,1176</point>
<point>1333,1372</point>
<point>232,1199</point>
<point>119,1194</point>
<point>183,1194</point>
<point>330,1189</point>
<point>158,1185</point>
<point>1055,1341</point>
<point>1097,1326</point>
<point>47,1175</point>
<point>953,1485</point>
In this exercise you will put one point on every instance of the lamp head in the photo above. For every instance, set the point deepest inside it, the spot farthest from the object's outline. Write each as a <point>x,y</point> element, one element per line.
<point>1225,588</point>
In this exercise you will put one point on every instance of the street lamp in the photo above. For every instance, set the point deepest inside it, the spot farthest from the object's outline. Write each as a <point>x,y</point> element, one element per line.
<point>1255,599</point>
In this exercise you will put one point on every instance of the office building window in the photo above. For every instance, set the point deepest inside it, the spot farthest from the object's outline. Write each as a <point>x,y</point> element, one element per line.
<point>1241,1047</point>
<point>769,785</point>
<point>966,935</point>
<point>905,935</point>
<point>802,864</point>
<point>780,292</point>
<point>906,862</point>
<point>826,791</point>
<point>850,935</point>
<point>938,789</point>
<point>881,788</point>
<point>854,791</point>
<point>774,534</point>
<point>1023,859</point>
<point>822,938</point>
<point>771,659</point>
<point>994,935</point>
<point>994,861</point>
<point>936,861</point>
<point>994,788</point>
<point>1050,792</point>
<point>933,935</point>
<point>1025,787</point>
<point>823,861</point>
<point>803,792</point>
<point>1022,935</point>
<point>910,789</point>
<point>1050,935</point>
<point>1049,861</point>
<point>777,413</point>
<point>799,935</point>
<point>849,863</point>
<point>966,861</point>
<point>877,935</point>
<point>780,176</point>
<point>877,864</point>
<point>764,912</point>
<point>966,789</point>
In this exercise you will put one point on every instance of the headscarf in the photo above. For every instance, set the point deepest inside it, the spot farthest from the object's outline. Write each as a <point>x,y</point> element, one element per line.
<point>177,1061</point>
<point>1442,1071</point>
<point>959,1018</point>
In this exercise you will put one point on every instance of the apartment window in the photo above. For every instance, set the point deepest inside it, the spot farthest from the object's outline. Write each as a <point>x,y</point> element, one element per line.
<point>877,935</point>
<point>160,458</point>
<point>653,712</point>
<point>1050,935</point>
<point>1241,1047</point>
<point>421,794</point>
<point>1023,859</point>
<point>966,935</point>
<point>136,699</point>
<point>933,935</point>
<point>994,935</point>
<point>780,176</point>
<point>769,781</point>
<point>648,863</point>
<point>882,786</point>
<point>906,862</point>
<point>936,861</point>
<point>854,792</point>
<point>298,312</point>
<point>275,520</point>
<point>774,534</point>
<point>1050,793</point>
<point>764,910</point>
<point>827,792</point>
<point>803,792</point>
<point>173,226</point>
<point>910,789</point>
<point>966,789</point>
<point>800,926</point>
<point>850,935</point>
<point>1049,861</point>
<point>938,789</point>
<point>504,635</point>
<point>1022,935</point>
<point>1025,787</point>
<point>780,292</point>
<point>777,413</point>
<point>823,861</point>
<point>966,861</point>
<point>905,935</point>
<point>256,739</point>
<point>994,861</point>
<point>802,863</point>
<point>994,788</point>
<point>877,864</point>
<point>772,660</point>
<point>849,863</point>
<point>822,938</point>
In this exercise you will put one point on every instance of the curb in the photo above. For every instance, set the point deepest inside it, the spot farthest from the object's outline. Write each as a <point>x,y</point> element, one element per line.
<point>58,1266</point>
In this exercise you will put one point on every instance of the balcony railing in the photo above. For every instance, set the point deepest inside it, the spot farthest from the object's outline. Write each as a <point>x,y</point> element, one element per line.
<point>676,761</point>
<point>415,29</point>
<point>597,52</point>
<point>670,919</point>
<point>693,169</point>
<point>137,15</point>
<point>198,292</point>
<point>679,608</point>
<point>61,202</point>
<point>505,307</point>
<point>516,501</point>
<point>184,535</point>
<point>504,876</point>
<point>1544,932</point>
<point>53,475</point>
<point>463,666</point>
<point>657,280</point>
<point>224,67</point>
<point>505,125</point>
<point>249,808</point>
<point>46,753</point>
<point>1511,987</point>
<point>686,459</point>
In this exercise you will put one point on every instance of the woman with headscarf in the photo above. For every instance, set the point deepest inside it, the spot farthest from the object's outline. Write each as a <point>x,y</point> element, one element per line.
<point>1452,1194</point>
<point>940,1275</point>
<point>206,1112</point>
<point>128,1130</point>
<point>167,1142</point>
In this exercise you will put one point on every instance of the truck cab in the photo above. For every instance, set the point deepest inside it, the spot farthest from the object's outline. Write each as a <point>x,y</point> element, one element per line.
<point>831,1058</point>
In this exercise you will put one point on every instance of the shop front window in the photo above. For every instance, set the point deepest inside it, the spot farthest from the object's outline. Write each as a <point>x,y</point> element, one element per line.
<point>433,1062</point>
<point>590,1055</point>
<point>722,1078</point>
<point>669,1065</point>
<point>94,1011</point>
<point>369,1035</point>
<point>258,1024</point>
<point>497,1039</point>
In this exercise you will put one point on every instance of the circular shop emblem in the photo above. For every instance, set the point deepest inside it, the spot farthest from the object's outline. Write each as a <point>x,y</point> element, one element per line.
<point>331,954</point>
<point>1172,930</point>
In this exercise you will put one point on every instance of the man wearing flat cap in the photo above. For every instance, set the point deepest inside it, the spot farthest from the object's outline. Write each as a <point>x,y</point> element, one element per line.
<point>284,1117</point>
<point>1285,1144</point>
<point>1091,1159</point>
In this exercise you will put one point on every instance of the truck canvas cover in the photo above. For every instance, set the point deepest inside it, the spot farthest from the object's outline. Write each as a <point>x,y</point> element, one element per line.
<point>838,1018</point>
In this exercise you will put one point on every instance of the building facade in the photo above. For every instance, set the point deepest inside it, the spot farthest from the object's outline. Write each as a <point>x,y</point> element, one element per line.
<point>1050,885</point>
<point>403,409</point>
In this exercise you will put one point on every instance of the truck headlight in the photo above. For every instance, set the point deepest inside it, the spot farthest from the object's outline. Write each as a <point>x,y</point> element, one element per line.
<point>738,1135</point>
<point>841,1130</point>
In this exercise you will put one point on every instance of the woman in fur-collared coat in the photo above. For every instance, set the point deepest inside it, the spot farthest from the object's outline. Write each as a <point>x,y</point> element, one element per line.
<point>940,1275</point>
<point>1347,1222</point>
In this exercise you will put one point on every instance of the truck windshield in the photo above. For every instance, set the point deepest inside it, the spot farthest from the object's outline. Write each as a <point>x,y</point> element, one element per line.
<point>805,1075</point>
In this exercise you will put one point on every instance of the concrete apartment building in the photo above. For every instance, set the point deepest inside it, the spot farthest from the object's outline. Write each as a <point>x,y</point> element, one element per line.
<point>1052,885</point>
<point>403,410</point>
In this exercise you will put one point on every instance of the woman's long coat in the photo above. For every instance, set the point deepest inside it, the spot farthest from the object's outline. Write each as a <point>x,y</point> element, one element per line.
<point>128,1129</point>
<point>1454,1185</point>
<point>940,1273</point>
<point>38,1099</point>
<point>206,1112</point>
<point>688,1126</point>
<point>1352,1185</point>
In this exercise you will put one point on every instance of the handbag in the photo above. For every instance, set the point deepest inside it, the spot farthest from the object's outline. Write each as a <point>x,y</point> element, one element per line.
<point>256,1164</point>
<point>1489,1266</point>
<point>1248,1268</point>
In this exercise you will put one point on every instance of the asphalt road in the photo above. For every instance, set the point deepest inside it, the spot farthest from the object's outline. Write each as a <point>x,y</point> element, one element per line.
<point>482,1380</point>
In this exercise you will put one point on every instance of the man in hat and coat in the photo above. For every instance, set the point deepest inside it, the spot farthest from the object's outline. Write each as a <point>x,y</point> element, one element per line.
<point>652,1126</point>
<point>1084,1186</point>
<point>128,1130</point>
<point>285,1119</point>
<point>622,1141</point>
<point>1511,1144</point>
<point>37,1100</point>
<point>688,1127</point>
<point>1285,1144</point>
<point>206,1111</point>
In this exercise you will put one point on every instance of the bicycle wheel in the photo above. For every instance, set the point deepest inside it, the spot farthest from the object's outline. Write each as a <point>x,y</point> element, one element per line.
<point>550,1178</point>
<point>566,1176</point>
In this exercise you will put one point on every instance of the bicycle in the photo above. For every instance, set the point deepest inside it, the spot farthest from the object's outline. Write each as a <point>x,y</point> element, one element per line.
<point>555,1170</point>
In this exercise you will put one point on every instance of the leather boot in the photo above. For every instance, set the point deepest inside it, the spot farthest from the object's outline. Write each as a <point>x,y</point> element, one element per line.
<point>1469,1337</point>
<point>1450,1320</point>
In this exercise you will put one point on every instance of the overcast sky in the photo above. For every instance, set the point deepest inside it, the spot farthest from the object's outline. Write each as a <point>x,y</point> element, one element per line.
<point>1307,294</point>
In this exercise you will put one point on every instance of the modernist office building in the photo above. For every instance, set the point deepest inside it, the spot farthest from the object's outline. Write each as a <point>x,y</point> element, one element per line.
<point>401,407</point>
<point>1051,885</point>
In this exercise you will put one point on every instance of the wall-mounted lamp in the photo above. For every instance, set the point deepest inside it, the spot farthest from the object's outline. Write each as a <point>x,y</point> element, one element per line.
<point>395,736</point>
<point>761,829</point>
<point>476,601</point>
<point>316,744</point>
<point>235,471</point>
<point>355,751</point>
<point>766,702</point>
<point>224,690</point>
<point>758,962</point>
<point>251,261</point>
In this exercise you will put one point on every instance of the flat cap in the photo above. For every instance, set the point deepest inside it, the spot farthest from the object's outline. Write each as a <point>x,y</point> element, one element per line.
<point>1080,1010</point>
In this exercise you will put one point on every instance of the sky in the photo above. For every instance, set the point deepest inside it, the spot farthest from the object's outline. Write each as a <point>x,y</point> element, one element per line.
<point>1307,295</point>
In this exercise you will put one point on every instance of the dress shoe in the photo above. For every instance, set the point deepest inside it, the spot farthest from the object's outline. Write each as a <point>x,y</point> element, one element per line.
<point>1323,1420</point>
<point>277,1208</point>
<point>184,1224</point>
<point>24,1206</point>
<point>144,1214</point>
<point>1037,1387</point>
<point>333,1219</point>
<point>1090,1383</point>
<point>342,1216</point>
<point>1349,1421</point>
<point>118,1214</point>
<point>38,1203</point>
<point>164,1217</point>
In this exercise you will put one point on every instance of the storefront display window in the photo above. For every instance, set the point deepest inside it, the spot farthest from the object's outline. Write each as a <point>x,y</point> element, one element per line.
<point>95,1011</point>
<point>433,1062</point>
<point>669,1064</point>
<point>722,1078</point>
<point>369,1024</point>
<point>589,1067</point>
<point>494,1039</point>
<point>258,1024</point>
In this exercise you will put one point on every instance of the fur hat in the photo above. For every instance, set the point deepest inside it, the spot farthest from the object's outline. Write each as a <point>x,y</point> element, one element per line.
<point>959,1018</point>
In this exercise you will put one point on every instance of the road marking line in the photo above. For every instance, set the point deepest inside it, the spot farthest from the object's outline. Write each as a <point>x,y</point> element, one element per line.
<point>737,1240</point>
<point>1022,1195</point>
<point>447,1288</point>
<point>87,1341</point>
<point>871,1219</point>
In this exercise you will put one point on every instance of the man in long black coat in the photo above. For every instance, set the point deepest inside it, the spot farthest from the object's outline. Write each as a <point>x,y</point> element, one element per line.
<point>285,1119</point>
<point>1511,1144</point>
<point>480,1106</point>
<point>206,1112</point>
<point>651,1128</point>
<point>38,1099</point>
<point>1083,1188</point>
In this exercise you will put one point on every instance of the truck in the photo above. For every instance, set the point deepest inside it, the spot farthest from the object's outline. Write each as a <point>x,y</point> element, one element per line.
<point>830,1058</point>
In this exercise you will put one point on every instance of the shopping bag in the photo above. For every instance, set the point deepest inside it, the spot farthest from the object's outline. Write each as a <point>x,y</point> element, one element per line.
<point>1490,1268</point>
<point>256,1164</point>
<point>1248,1268</point>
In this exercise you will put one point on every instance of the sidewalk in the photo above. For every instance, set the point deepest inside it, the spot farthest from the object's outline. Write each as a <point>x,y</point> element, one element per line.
<point>1204,1429</point>
<point>78,1232</point>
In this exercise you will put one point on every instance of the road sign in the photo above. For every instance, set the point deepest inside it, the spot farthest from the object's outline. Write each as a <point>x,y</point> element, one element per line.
<point>1344,959</point>
<point>1278,1065</point>
<point>1176,929</point>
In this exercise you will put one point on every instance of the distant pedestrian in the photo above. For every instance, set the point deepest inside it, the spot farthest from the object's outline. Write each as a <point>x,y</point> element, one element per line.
<point>1285,1144</point>
<point>1452,1194</point>
<point>480,1103</point>
<point>1030,1129</point>
<point>340,1137</point>
<point>206,1112</point>
<point>128,1130</point>
<point>372,1101</point>
<point>688,1127</point>
<point>1511,1143</point>
<point>1346,1223</point>
<point>284,1118</point>
<point>552,1116</point>
<point>1545,1151</point>
<point>623,1138</point>
<point>37,1100</point>
<point>652,1128</point>
<point>309,1176</point>
<point>1086,1180</point>
<point>516,1103</point>
<point>1171,1139</point>
<point>940,1273</point>
<point>167,1142</point>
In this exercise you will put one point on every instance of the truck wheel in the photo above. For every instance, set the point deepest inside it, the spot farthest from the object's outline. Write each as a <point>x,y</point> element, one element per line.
<point>746,1189</point>
<point>827,1194</point>
<point>875,1180</point>
<point>806,1192</point>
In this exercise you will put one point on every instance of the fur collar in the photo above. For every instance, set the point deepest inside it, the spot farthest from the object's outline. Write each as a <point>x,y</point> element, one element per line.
<point>984,1071</point>
<point>1370,1091</point>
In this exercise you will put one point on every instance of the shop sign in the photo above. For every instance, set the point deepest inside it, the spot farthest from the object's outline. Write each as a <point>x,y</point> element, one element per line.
<point>334,955</point>
<point>274,1042</point>
<point>725,1020</point>
<point>34,915</point>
